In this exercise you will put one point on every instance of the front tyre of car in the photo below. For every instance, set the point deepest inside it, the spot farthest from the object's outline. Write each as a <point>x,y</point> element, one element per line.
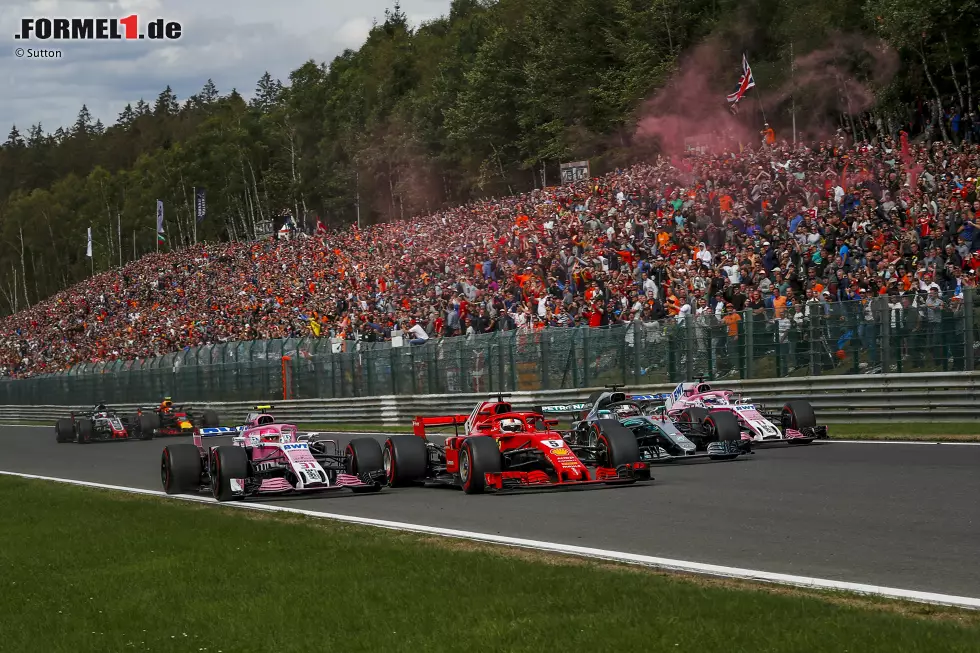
<point>478,457</point>
<point>227,463</point>
<point>83,431</point>
<point>615,444</point>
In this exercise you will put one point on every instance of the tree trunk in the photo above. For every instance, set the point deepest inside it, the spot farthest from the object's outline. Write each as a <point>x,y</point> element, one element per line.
<point>670,39</point>
<point>952,72</point>
<point>935,89</point>
<point>969,82</point>
<point>23,268</point>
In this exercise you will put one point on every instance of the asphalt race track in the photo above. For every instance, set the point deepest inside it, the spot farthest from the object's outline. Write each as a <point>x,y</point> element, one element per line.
<point>903,516</point>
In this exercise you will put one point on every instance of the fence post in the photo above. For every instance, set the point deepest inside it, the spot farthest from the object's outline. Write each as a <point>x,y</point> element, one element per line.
<point>748,337</point>
<point>690,345</point>
<point>545,336</point>
<point>885,318</point>
<point>969,306</point>
<point>638,335</point>
<point>585,355</point>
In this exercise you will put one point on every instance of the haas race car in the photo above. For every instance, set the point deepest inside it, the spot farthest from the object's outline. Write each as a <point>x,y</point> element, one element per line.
<point>167,419</point>
<point>699,408</point>
<point>99,425</point>
<point>271,458</point>
<point>659,439</point>
<point>503,449</point>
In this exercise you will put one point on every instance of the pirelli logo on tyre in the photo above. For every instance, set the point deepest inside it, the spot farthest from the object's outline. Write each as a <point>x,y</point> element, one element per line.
<point>127,28</point>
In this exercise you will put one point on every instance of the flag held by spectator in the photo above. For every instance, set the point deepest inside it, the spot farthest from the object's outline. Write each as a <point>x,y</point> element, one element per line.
<point>88,249</point>
<point>160,237</point>
<point>200,204</point>
<point>315,327</point>
<point>746,82</point>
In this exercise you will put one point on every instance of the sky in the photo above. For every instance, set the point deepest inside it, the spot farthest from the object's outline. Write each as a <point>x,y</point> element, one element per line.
<point>232,42</point>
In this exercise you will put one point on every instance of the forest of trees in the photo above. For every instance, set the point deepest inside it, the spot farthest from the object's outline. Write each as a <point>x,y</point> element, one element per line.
<point>476,103</point>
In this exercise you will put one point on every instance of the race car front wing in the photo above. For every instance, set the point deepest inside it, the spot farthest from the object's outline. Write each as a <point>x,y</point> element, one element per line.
<point>538,480</point>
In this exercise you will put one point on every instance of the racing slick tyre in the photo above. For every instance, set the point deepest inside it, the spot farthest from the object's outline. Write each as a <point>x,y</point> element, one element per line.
<point>84,431</point>
<point>180,468</point>
<point>405,460</point>
<point>363,455</point>
<point>138,425</point>
<point>147,423</point>
<point>722,426</point>
<point>227,463</point>
<point>64,430</point>
<point>694,415</point>
<point>615,444</point>
<point>478,456</point>
<point>798,415</point>
<point>209,419</point>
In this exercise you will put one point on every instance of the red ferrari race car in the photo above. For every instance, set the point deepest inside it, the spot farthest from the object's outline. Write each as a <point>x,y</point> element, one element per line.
<point>504,449</point>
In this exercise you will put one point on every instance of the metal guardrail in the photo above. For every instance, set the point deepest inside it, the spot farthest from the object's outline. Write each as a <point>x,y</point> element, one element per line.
<point>953,396</point>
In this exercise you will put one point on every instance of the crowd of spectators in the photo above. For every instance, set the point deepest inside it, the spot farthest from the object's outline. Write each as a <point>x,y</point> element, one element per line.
<point>762,229</point>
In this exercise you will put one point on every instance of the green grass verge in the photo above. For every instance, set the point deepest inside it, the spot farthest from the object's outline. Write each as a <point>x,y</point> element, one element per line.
<point>90,570</point>
<point>952,431</point>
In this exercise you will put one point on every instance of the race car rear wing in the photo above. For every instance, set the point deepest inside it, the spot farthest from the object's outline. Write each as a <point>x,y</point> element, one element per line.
<point>216,431</point>
<point>419,423</point>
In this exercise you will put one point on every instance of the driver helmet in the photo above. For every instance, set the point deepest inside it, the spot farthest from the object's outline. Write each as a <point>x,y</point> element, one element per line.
<point>271,437</point>
<point>512,425</point>
<point>166,404</point>
<point>101,408</point>
<point>627,411</point>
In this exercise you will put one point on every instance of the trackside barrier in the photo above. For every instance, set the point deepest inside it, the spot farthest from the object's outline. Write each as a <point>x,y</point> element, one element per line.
<point>936,397</point>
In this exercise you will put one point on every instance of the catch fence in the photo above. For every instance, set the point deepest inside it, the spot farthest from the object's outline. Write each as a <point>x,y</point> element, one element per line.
<point>840,338</point>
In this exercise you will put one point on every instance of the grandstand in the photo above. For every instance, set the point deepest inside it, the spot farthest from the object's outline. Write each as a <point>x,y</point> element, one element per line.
<point>771,235</point>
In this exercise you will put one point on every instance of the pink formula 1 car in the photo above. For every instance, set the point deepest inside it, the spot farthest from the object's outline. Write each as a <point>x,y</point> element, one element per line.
<point>698,406</point>
<point>271,458</point>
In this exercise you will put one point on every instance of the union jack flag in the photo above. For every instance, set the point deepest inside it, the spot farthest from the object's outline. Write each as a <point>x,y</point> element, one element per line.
<point>746,82</point>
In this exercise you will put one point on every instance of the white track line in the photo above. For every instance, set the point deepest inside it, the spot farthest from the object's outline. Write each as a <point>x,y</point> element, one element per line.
<point>587,552</point>
<point>929,442</point>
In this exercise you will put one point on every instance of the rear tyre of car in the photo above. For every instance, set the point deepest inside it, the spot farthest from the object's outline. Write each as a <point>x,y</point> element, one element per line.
<point>180,468</point>
<point>615,444</point>
<point>405,460</point>
<point>363,455</point>
<point>209,419</point>
<point>64,430</point>
<point>227,463</point>
<point>84,431</point>
<point>478,456</point>
<point>798,415</point>
<point>694,415</point>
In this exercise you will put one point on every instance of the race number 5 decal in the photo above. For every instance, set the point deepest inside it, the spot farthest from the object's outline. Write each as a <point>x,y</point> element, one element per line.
<point>553,444</point>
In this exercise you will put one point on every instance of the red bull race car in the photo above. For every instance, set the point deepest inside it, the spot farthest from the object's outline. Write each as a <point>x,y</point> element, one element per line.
<point>167,419</point>
<point>497,448</point>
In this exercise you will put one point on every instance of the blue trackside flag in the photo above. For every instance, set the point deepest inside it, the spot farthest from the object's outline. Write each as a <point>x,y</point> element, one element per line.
<point>200,204</point>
